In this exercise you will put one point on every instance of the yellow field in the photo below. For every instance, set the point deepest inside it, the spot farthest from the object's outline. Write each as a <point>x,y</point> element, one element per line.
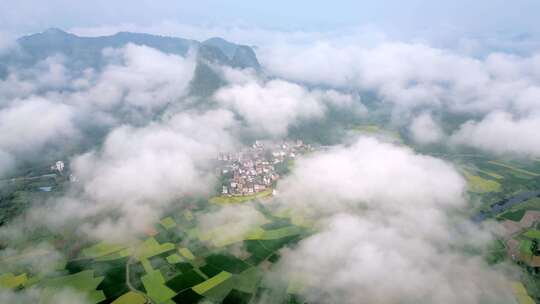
<point>240,199</point>
<point>130,298</point>
<point>374,129</point>
<point>10,281</point>
<point>521,293</point>
<point>168,223</point>
<point>481,185</point>
<point>185,252</point>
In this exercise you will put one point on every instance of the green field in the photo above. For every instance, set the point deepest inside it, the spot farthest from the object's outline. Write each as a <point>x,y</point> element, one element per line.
<point>240,199</point>
<point>248,280</point>
<point>512,168</point>
<point>212,282</point>
<point>532,234</point>
<point>154,283</point>
<point>174,259</point>
<point>525,247</point>
<point>150,247</point>
<point>101,249</point>
<point>130,298</point>
<point>168,223</point>
<point>281,233</point>
<point>515,216</point>
<point>185,280</point>
<point>83,281</point>
<point>115,256</point>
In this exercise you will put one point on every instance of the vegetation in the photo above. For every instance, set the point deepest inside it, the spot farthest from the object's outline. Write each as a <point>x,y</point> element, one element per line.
<point>205,286</point>
<point>478,184</point>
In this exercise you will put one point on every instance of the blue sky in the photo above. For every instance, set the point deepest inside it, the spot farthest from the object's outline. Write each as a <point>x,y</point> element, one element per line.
<point>495,25</point>
<point>392,15</point>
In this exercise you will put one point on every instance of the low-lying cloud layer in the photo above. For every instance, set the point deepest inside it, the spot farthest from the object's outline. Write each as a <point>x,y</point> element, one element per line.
<point>385,230</point>
<point>157,148</point>
<point>416,76</point>
<point>272,107</point>
<point>138,172</point>
<point>502,133</point>
<point>425,130</point>
<point>388,228</point>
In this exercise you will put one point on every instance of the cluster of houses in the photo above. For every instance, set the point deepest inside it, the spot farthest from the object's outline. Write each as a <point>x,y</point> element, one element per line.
<point>254,170</point>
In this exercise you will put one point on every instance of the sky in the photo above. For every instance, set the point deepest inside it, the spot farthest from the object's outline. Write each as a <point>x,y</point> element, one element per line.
<point>405,18</point>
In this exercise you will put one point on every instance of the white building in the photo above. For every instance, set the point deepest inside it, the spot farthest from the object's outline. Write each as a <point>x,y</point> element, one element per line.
<point>59,166</point>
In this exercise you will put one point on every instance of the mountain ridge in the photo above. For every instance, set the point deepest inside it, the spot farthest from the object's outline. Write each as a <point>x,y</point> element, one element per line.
<point>86,50</point>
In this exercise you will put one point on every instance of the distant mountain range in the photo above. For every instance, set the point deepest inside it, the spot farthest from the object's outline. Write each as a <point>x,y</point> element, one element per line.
<point>85,52</point>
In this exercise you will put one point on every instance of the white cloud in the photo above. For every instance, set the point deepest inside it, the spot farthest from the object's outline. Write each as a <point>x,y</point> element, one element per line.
<point>502,133</point>
<point>28,125</point>
<point>230,223</point>
<point>48,74</point>
<point>35,295</point>
<point>7,163</point>
<point>7,42</point>
<point>139,77</point>
<point>362,174</point>
<point>140,171</point>
<point>272,107</point>
<point>425,130</point>
<point>384,230</point>
<point>411,74</point>
<point>360,260</point>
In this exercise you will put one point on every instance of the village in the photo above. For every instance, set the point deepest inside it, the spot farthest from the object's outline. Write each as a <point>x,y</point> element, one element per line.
<point>257,168</point>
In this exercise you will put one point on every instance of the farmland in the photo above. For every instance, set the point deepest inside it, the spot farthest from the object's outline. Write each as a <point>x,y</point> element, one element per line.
<point>177,261</point>
<point>240,199</point>
<point>508,191</point>
<point>173,265</point>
